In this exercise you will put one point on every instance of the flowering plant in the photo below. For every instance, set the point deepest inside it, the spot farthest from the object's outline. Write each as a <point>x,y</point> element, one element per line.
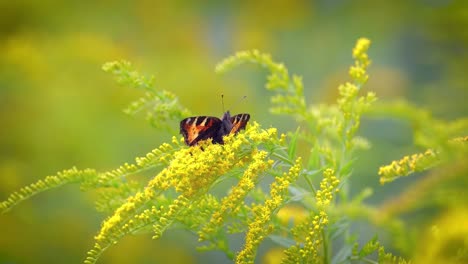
<point>300,202</point>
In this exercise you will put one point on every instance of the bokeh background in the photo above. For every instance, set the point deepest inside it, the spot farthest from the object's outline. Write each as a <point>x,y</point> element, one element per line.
<point>58,109</point>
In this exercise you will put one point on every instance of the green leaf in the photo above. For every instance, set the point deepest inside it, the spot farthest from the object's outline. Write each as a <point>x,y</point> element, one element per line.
<point>282,241</point>
<point>292,148</point>
<point>297,193</point>
<point>343,254</point>
<point>283,156</point>
<point>338,228</point>
<point>346,169</point>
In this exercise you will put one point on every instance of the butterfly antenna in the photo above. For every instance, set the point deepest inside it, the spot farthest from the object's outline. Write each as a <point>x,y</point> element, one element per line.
<point>222,101</point>
<point>243,97</point>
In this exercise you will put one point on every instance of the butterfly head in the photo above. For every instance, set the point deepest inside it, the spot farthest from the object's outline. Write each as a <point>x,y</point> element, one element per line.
<point>226,116</point>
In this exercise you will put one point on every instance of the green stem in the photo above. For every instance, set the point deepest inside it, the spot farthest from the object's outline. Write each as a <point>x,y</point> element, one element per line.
<point>326,253</point>
<point>311,186</point>
<point>365,260</point>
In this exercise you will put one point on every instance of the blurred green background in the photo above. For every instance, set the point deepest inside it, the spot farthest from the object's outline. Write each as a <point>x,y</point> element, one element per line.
<point>58,109</point>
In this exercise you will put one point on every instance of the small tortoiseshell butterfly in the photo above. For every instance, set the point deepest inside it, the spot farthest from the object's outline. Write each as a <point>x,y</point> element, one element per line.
<point>199,128</point>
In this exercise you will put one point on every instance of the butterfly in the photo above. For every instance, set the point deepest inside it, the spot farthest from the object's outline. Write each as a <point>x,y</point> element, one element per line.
<point>199,128</point>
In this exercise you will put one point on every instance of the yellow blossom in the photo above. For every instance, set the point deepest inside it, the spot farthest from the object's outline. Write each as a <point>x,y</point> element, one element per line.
<point>407,165</point>
<point>328,186</point>
<point>259,226</point>
<point>235,199</point>
<point>358,71</point>
<point>313,226</point>
<point>190,172</point>
<point>49,182</point>
<point>359,51</point>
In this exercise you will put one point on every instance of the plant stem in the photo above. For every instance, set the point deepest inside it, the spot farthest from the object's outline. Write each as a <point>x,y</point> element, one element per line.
<point>326,254</point>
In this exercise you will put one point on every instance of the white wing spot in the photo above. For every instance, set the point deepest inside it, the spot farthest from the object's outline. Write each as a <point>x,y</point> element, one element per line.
<point>204,121</point>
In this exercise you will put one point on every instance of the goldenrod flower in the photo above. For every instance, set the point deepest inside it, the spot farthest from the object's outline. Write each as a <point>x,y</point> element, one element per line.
<point>360,51</point>
<point>315,224</point>
<point>231,203</point>
<point>64,177</point>
<point>358,71</point>
<point>407,165</point>
<point>327,189</point>
<point>260,226</point>
<point>460,140</point>
<point>180,190</point>
<point>191,172</point>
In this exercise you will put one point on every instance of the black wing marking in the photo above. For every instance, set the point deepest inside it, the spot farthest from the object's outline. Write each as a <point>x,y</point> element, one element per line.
<point>239,122</point>
<point>199,128</point>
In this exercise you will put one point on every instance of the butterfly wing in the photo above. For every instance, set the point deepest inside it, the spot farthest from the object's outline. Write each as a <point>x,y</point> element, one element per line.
<point>199,128</point>
<point>239,122</point>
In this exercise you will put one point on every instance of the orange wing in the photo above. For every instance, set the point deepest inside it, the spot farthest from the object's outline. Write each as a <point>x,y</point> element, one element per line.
<point>199,128</point>
<point>239,122</point>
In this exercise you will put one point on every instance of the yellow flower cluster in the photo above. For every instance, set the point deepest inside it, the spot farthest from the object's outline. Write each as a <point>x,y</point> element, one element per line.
<point>67,176</point>
<point>194,169</point>
<point>191,172</point>
<point>116,225</point>
<point>350,104</point>
<point>162,154</point>
<point>261,136</point>
<point>159,156</point>
<point>231,203</point>
<point>408,165</point>
<point>459,145</point>
<point>358,71</point>
<point>260,226</point>
<point>323,197</point>
<point>313,240</point>
<point>328,186</point>
<point>110,198</point>
<point>178,205</point>
<point>462,140</point>
<point>111,227</point>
